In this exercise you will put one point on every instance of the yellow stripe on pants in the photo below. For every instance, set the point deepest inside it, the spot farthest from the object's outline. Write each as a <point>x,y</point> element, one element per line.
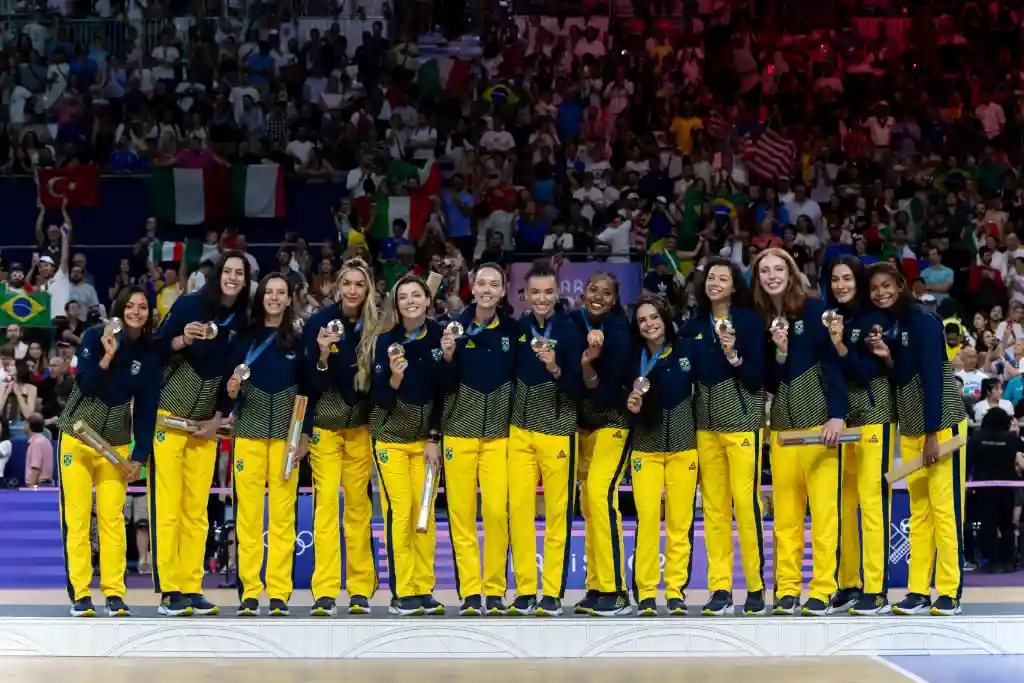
<point>178,484</point>
<point>80,469</point>
<point>864,547</point>
<point>937,517</point>
<point>342,458</point>
<point>801,474</point>
<point>466,462</point>
<point>676,475</point>
<point>257,478</point>
<point>730,481</point>
<point>606,454</point>
<point>401,468</point>
<point>531,456</point>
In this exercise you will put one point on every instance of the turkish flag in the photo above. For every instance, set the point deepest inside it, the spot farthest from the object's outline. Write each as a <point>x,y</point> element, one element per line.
<point>77,183</point>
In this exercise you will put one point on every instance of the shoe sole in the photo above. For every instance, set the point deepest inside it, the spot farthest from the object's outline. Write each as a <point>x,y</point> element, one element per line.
<point>83,613</point>
<point>358,610</point>
<point>435,612</point>
<point>114,614</point>
<point>875,612</point>
<point>545,613</point>
<point>208,612</point>
<point>716,613</point>
<point>516,612</point>
<point>804,612</point>
<point>617,612</point>
<point>649,612</point>
<point>901,612</point>
<point>470,612</point>
<point>579,609</point>
<point>780,612</point>
<point>936,612</point>
<point>279,613</point>
<point>845,607</point>
<point>249,612</point>
<point>755,612</point>
<point>166,612</point>
<point>418,612</point>
<point>321,612</point>
<point>495,612</point>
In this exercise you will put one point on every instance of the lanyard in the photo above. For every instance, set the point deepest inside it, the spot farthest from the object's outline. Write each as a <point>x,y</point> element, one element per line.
<point>586,321</point>
<point>227,320</point>
<point>413,336</point>
<point>257,351</point>
<point>475,329</point>
<point>646,365</point>
<point>542,335</point>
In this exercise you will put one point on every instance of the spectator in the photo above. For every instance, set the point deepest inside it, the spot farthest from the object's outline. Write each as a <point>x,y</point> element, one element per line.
<point>991,397</point>
<point>13,339</point>
<point>39,455</point>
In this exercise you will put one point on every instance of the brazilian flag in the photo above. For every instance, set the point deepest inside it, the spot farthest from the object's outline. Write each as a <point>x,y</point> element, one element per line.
<point>27,310</point>
<point>507,98</point>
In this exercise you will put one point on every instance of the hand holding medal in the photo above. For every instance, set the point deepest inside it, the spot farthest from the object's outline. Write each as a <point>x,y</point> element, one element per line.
<point>780,334</point>
<point>833,322</point>
<point>726,335</point>
<point>239,375</point>
<point>452,332</point>
<point>111,329</point>
<point>396,360</point>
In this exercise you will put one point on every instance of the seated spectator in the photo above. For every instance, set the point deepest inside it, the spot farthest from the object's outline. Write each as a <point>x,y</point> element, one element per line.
<point>39,455</point>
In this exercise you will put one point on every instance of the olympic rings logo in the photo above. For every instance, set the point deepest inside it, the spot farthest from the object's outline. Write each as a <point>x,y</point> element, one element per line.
<point>303,541</point>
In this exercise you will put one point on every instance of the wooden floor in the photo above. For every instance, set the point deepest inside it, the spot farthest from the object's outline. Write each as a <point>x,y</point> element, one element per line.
<point>825,670</point>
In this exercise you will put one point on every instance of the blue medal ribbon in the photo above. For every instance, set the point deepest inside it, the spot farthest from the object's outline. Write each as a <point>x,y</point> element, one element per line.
<point>475,328</point>
<point>647,364</point>
<point>413,336</point>
<point>543,335</point>
<point>255,352</point>
<point>226,321</point>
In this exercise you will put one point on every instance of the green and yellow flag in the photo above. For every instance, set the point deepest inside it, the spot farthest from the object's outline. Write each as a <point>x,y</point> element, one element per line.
<point>27,310</point>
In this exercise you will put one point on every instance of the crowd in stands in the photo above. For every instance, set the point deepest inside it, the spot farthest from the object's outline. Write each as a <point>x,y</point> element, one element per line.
<point>711,127</point>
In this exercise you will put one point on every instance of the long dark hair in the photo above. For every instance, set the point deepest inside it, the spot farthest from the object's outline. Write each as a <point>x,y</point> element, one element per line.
<point>286,336</point>
<point>740,292</point>
<point>664,309</point>
<point>211,293</point>
<point>121,302</point>
<point>905,303</point>
<point>860,294</point>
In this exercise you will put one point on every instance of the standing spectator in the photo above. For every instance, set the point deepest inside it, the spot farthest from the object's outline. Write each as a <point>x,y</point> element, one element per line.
<point>938,279</point>
<point>39,455</point>
<point>457,205</point>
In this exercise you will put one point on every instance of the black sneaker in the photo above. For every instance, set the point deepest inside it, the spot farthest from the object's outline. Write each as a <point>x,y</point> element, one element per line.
<point>278,608</point>
<point>754,604</point>
<point>495,606</point>
<point>647,608</point>
<point>406,607</point>
<point>914,603</point>
<point>116,608</point>
<point>200,605</point>
<point>816,608</point>
<point>587,603</point>
<point>83,608</point>
<point>549,607</point>
<point>945,606</point>
<point>677,608</point>
<point>174,605</point>
<point>870,605</point>
<point>523,606</point>
<point>611,605</point>
<point>845,599</point>
<point>323,607</point>
<point>430,605</point>
<point>718,605</point>
<point>787,605</point>
<point>250,607</point>
<point>357,604</point>
<point>472,606</point>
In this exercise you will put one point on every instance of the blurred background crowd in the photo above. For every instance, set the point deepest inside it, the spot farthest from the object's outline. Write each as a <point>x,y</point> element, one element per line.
<point>636,137</point>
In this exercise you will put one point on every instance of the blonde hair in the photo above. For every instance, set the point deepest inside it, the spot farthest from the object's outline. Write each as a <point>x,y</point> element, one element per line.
<point>388,319</point>
<point>793,299</point>
<point>370,319</point>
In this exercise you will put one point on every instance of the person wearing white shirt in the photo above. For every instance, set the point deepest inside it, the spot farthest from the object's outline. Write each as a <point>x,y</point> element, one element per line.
<point>301,146</point>
<point>617,236</point>
<point>880,127</point>
<point>992,117</point>
<point>991,397</point>
<point>423,140</point>
<point>497,139</point>
<point>20,97</point>
<point>558,240</point>
<point>590,44</point>
<point>591,198</point>
<point>357,178</point>
<point>802,205</point>
<point>166,57</point>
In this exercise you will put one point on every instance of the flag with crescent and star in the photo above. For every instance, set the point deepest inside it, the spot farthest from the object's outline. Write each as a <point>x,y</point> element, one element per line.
<point>79,184</point>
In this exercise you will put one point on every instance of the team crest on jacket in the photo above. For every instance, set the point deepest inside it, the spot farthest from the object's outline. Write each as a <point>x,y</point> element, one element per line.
<point>684,364</point>
<point>448,454</point>
<point>854,335</point>
<point>314,438</point>
<point>239,465</point>
<point>136,366</point>
<point>905,338</point>
<point>505,344</point>
<point>799,327</point>
<point>436,353</point>
<point>382,456</point>
<point>67,460</point>
<point>638,464</point>
<point>160,436</point>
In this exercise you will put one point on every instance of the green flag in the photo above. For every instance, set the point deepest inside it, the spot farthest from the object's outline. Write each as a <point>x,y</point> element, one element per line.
<point>27,310</point>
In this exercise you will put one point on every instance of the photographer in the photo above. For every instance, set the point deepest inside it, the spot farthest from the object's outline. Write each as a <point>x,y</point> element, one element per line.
<point>995,453</point>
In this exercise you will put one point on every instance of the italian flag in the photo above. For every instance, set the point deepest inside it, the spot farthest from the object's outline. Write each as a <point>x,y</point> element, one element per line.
<point>189,251</point>
<point>413,210</point>
<point>193,196</point>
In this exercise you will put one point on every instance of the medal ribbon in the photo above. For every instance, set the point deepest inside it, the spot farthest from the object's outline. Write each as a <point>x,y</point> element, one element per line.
<point>414,335</point>
<point>542,335</point>
<point>475,328</point>
<point>647,364</point>
<point>255,352</point>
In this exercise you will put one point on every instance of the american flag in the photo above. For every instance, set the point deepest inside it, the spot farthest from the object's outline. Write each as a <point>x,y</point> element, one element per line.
<point>769,155</point>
